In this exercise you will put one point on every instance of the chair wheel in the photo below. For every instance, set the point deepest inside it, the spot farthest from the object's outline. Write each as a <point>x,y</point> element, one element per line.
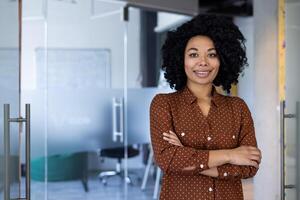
<point>103,180</point>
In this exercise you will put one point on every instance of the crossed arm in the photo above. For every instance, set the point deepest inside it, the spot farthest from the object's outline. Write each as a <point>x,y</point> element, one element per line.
<point>172,157</point>
<point>243,155</point>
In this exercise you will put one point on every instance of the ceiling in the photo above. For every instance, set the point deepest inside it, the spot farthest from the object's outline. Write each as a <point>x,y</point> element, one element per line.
<point>227,7</point>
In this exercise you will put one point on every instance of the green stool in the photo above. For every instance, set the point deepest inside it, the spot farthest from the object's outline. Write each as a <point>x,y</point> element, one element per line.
<point>62,168</point>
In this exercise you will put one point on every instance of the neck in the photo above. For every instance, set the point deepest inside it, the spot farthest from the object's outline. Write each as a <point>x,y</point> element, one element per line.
<point>200,91</point>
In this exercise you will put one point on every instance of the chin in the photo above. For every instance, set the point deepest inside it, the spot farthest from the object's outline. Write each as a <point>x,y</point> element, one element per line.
<point>203,82</point>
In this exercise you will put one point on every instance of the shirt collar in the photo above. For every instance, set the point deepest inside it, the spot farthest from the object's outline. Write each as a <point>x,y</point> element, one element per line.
<point>190,97</point>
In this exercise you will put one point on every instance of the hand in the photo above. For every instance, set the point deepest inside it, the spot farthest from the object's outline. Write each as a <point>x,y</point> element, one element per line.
<point>172,138</point>
<point>245,155</point>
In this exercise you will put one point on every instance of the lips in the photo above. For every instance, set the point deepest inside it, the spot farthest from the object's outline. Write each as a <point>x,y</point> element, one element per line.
<point>202,74</point>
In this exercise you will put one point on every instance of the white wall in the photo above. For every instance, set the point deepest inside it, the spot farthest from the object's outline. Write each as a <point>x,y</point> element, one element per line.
<point>246,83</point>
<point>79,26</point>
<point>266,99</point>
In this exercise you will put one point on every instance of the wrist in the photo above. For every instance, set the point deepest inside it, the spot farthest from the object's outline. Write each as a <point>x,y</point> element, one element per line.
<point>227,155</point>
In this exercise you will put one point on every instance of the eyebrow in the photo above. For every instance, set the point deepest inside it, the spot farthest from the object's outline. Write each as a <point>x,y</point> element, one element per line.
<point>195,49</point>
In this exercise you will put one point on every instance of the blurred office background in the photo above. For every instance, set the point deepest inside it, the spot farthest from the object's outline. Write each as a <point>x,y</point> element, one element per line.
<point>89,69</point>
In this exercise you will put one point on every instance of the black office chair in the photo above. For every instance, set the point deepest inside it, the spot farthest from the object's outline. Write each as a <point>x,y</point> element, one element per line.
<point>119,154</point>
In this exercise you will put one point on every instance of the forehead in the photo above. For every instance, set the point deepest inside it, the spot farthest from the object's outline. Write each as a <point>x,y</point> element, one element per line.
<point>200,41</point>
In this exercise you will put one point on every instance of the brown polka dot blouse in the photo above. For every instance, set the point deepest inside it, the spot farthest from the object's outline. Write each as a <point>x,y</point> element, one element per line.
<point>228,125</point>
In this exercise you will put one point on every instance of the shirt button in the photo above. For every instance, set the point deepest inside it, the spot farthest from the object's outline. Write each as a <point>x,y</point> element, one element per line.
<point>201,166</point>
<point>208,138</point>
<point>182,134</point>
<point>210,189</point>
<point>233,136</point>
<point>225,174</point>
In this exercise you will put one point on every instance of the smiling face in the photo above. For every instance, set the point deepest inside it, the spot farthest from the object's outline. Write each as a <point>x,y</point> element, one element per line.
<point>201,61</point>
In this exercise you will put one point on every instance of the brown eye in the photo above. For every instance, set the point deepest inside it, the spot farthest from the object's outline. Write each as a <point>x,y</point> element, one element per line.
<point>193,55</point>
<point>212,55</point>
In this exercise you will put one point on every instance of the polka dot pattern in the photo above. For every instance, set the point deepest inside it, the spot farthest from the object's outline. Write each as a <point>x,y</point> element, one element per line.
<point>228,125</point>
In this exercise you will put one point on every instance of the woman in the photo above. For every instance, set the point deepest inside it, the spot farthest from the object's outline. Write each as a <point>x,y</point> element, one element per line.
<point>203,141</point>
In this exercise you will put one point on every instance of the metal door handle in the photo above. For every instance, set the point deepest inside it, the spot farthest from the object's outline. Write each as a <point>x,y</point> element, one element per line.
<point>7,121</point>
<point>284,116</point>
<point>117,130</point>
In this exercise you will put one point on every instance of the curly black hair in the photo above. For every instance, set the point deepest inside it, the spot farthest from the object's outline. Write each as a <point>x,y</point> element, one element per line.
<point>229,43</point>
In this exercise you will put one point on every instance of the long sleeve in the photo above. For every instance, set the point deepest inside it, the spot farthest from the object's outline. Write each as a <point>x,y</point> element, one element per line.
<point>170,158</point>
<point>246,137</point>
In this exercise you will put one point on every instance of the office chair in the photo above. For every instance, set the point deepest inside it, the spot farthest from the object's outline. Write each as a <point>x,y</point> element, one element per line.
<point>119,154</point>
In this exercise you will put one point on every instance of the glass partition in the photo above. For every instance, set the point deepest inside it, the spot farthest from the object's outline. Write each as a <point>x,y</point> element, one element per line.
<point>85,89</point>
<point>90,83</point>
<point>292,101</point>
<point>9,85</point>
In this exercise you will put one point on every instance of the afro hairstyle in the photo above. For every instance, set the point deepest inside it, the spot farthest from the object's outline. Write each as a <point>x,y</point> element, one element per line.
<point>228,41</point>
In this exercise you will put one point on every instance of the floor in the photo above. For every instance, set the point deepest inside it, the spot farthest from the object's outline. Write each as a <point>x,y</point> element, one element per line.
<point>114,190</point>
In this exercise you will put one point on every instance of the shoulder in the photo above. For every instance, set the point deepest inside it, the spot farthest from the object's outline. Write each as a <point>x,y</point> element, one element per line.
<point>236,101</point>
<point>240,106</point>
<point>164,97</point>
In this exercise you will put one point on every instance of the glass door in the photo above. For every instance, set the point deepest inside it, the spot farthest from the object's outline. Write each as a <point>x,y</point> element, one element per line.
<point>10,132</point>
<point>146,31</point>
<point>292,102</point>
<point>90,85</point>
<point>76,57</point>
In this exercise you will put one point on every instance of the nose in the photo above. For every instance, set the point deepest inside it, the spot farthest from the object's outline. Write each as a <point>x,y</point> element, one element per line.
<point>202,61</point>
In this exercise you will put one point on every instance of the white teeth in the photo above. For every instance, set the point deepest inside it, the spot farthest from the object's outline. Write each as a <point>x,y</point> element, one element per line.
<point>202,74</point>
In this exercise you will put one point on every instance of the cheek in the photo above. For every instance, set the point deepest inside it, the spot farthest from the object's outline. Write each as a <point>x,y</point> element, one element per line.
<point>216,65</point>
<point>188,63</point>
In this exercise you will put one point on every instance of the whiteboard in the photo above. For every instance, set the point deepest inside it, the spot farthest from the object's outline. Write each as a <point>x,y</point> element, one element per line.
<point>73,68</point>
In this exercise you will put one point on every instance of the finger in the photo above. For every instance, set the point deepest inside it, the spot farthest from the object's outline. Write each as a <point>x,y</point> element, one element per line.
<point>166,134</point>
<point>256,153</point>
<point>171,140</point>
<point>171,136</point>
<point>175,143</point>
<point>166,138</point>
<point>260,154</point>
<point>256,158</point>
<point>174,137</point>
<point>171,133</point>
<point>254,164</point>
<point>259,161</point>
<point>250,147</point>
